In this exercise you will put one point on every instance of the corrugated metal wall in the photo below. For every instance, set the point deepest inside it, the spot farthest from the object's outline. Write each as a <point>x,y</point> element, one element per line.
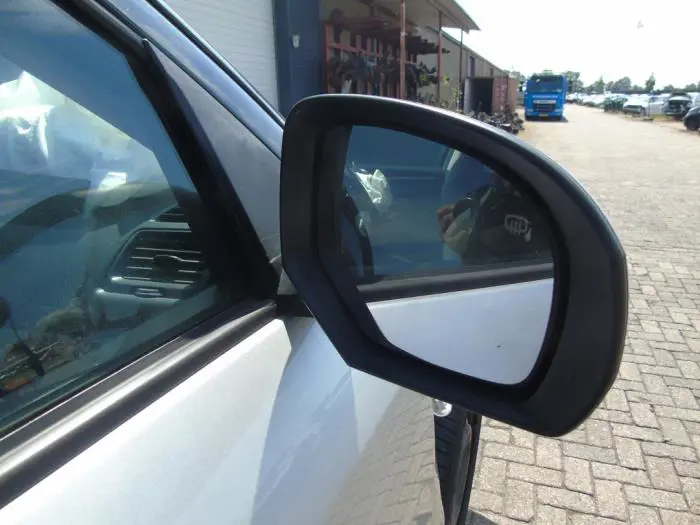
<point>242,31</point>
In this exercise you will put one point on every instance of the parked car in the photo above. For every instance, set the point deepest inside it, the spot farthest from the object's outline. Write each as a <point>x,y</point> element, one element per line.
<point>211,314</point>
<point>637,105</point>
<point>615,102</point>
<point>691,119</point>
<point>594,100</point>
<point>678,104</point>
<point>657,103</point>
<point>572,98</point>
<point>578,98</point>
<point>599,100</point>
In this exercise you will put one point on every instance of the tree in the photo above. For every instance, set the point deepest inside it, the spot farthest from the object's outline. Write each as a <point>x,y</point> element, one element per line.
<point>669,88</point>
<point>575,84</point>
<point>622,86</point>
<point>650,83</point>
<point>692,87</point>
<point>598,86</point>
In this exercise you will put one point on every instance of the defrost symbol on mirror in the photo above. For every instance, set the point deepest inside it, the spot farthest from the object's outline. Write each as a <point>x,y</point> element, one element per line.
<point>518,226</point>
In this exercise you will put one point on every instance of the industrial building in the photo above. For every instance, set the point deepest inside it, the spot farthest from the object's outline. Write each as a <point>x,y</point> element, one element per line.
<point>290,49</point>
<point>472,65</point>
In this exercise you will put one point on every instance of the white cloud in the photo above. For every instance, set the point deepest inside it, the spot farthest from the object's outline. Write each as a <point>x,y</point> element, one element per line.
<point>594,37</point>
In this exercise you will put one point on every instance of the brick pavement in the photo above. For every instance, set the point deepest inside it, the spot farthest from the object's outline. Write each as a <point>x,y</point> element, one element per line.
<point>637,458</point>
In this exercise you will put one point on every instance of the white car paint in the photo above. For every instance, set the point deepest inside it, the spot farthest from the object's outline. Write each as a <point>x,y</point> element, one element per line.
<point>646,104</point>
<point>275,423</point>
<point>494,334</point>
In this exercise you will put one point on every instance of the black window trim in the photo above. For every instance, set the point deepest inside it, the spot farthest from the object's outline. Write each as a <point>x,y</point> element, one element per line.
<point>207,174</point>
<point>49,440</point>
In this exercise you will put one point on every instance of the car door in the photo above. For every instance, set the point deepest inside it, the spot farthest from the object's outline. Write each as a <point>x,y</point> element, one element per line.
<point>150,371</point>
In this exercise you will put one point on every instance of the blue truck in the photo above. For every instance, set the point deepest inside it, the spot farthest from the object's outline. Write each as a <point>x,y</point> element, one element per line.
<point>545,96</point>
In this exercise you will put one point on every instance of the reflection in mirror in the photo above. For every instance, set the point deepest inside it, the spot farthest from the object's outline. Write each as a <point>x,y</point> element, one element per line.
<point>457,260</point>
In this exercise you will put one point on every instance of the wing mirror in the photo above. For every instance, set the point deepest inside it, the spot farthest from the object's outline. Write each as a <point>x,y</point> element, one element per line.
<point>451,258</point>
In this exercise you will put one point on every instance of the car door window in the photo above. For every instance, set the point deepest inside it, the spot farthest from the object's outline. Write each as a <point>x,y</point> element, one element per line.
<point>416,207</point>
<point>100,257</point>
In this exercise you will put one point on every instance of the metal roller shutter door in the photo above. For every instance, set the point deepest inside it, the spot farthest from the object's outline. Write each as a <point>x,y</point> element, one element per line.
<point>242,31</point>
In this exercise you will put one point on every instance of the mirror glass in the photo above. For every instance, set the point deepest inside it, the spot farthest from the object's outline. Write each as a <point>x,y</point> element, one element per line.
<point>453,258</point>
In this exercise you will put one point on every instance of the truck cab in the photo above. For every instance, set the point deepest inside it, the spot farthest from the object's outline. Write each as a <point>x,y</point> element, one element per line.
<point>545,96</point>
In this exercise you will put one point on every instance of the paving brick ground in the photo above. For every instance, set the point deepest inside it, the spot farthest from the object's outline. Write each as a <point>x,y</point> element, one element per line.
<point>637,459</point>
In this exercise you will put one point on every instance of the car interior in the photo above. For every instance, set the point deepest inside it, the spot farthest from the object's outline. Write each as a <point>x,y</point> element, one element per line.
<point>112,187</point>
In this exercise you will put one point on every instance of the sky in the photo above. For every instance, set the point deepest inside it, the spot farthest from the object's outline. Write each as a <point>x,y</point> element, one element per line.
<point>594,37</point>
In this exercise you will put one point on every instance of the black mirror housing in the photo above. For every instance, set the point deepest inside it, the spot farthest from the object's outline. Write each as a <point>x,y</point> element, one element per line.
<point>584,340</point>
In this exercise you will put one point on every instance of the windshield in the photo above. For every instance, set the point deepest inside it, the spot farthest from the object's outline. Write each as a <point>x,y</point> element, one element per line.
<point>550,84</point>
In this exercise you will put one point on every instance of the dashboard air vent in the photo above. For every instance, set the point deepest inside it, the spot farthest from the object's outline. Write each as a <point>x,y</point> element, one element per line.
<point>161,257</point>
<point>174,214</point>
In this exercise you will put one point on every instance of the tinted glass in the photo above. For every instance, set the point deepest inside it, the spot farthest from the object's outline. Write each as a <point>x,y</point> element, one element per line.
<point>449,212</point>
<point>384,147</point>
<point>98,260</point>
<point>545,84</point>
